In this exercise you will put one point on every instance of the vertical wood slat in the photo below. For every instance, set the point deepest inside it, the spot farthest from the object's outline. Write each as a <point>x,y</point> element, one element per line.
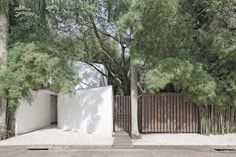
<point>143,114</point>
<point>128,122</point>
<point>193,118</point>
<point>178,115</point>
<point>146,114</point>
<point>150,114</point>
<point>164,112</point>
<point>159,112</point>
<point>167,113</point>
<point>154,114</point>
<point>190,118</point>
<point>162,115</point>
<point>174,113</point>
<point>197,118</point>
<point>182,115</point>
<point>126,115</point>
<point>185,116</point>
<point>122,113</point>
<point>118,113</point>
<point>156,111</point>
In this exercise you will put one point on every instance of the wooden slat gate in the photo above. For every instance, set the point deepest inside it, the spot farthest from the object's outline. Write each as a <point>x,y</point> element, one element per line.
<point>168,113</point>
<point>159,113</point>
<point>122,113</point>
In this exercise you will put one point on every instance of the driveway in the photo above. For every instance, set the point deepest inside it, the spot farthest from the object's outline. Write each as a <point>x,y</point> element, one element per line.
<point>53,136</point>
<point>116,153</point>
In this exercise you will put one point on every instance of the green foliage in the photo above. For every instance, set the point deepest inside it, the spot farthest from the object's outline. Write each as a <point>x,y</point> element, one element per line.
<point>188,44</point>
<point>32,66</point>
<point>26,25</point>
<point>185,75</point>
<point>36,56</point>
<point>3,6</point>
<point>96,35</point>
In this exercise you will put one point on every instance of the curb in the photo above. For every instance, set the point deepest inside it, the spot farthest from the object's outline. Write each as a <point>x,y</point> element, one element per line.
<point>73,147</point>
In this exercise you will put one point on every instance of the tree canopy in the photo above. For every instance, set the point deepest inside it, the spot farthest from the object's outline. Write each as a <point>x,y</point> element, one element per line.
<point>34,59</point>
<point>190,44</point>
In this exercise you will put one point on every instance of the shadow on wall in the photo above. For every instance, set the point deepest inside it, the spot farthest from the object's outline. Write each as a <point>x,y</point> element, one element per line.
<point>90,77</point>
<point>86,111</point>
<point>34,114</point>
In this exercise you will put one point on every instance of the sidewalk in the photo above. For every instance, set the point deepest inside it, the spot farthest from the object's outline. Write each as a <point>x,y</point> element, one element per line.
<point>53,136</point>
<point>185,140</point>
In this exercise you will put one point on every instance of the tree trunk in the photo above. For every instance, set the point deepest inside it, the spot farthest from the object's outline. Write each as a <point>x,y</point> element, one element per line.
<point>134,102</point>
<point>3,59</point>
<point>126,83</point>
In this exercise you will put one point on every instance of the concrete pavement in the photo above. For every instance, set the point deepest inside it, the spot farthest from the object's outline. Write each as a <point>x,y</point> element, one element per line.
<point>122,140</point>
<point>115,153</point>
<point>54,136</point>
<point>186,139</point>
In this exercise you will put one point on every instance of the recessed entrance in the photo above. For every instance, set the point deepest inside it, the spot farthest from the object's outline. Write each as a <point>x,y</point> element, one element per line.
<point>53,109</point>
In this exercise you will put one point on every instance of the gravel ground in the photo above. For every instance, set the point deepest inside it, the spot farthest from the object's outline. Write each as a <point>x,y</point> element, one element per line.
<point>54,136</point>
<point>186,139</point>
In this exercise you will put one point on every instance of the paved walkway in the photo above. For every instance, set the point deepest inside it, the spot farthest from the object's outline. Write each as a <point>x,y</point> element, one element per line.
<point>54,136</point>
<point>186,139</point>
<point>122,140</point>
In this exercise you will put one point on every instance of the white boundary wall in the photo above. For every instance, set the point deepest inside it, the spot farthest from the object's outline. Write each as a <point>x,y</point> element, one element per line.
<point>87,111</point>
<point>34,115</point>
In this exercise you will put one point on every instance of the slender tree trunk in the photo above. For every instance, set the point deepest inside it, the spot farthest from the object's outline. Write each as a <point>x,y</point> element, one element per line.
<point>3,59</point>
<point>126,83</point>
<point>134,102</point>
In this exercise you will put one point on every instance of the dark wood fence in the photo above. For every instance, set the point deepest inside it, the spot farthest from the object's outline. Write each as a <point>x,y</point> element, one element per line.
<point>159,113</point>
<point>168,113</point>
<point>122,113</point>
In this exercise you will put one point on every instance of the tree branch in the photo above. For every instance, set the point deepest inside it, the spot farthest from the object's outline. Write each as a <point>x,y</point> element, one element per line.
<point>96,68</point>
<point>105,33</point>
<point>103,49</point>
<point>112,74</point>
<point>99,39</point>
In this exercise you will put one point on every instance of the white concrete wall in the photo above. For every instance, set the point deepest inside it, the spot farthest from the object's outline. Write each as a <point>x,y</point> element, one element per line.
<point>88,111</point>
<point>33,115</point>
<point>90,77</point>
